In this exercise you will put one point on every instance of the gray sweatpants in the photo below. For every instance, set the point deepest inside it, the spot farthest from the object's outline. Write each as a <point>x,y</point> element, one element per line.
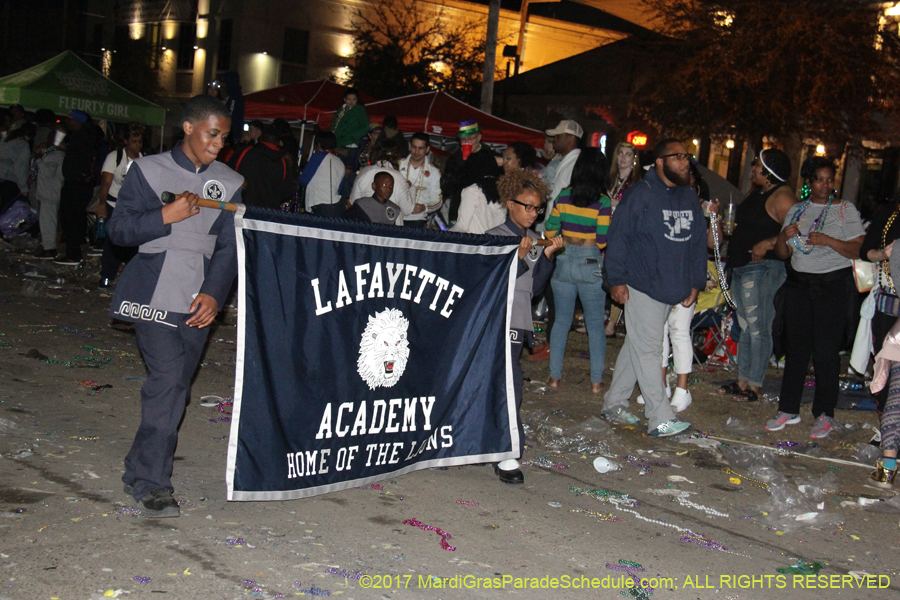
<point>49,220</point>
<point>638,361</point>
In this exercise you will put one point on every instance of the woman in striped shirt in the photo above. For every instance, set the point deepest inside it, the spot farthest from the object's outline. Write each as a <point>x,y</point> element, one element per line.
<point>581,215</point>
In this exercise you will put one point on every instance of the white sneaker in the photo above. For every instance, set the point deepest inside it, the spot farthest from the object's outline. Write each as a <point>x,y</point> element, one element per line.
<point>640,399</point>
<point>681,399</point>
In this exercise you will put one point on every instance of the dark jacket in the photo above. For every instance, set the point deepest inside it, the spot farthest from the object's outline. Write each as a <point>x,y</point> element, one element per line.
<point>235,104</point>
<point>80,154</point>
<point>269,183</point>
<point>657,241</point>
<point>532,274</point>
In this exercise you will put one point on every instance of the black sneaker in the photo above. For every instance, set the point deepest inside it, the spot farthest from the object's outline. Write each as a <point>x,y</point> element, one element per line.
<point>45,254</point>
<point>159,504</point>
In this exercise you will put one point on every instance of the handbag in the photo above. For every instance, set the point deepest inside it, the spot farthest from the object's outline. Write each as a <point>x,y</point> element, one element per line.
<point>864,275</point>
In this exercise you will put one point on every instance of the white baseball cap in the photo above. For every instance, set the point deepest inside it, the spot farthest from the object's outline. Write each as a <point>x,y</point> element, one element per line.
<point>567,126</point>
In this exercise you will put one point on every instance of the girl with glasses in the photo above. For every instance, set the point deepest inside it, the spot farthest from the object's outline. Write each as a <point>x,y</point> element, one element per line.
<point>522,195</point>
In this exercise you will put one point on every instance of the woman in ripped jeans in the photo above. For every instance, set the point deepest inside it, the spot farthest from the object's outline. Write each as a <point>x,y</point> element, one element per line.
<point>757,271</point>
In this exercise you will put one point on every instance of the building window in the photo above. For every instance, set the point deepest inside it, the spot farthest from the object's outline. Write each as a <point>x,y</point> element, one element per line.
<point>226,28</point>
<point>184,82</point>
<point>294,56</point>
<point>97,41</point>
<point>120,37</point>
<point>291,73</point>
<point>154,37</point>
<point>187,39</point>
<point>296,46</point>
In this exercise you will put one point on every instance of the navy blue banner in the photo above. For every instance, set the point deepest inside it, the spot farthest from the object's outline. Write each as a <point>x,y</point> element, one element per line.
<point>366,351</point>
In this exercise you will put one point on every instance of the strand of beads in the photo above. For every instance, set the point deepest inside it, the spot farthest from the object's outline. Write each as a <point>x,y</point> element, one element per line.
<point>444,535</point>
<point>683,501</point>
<point>885,265</point>
<point>544,462</point>
<point>636,591</point>
<point>817,225</point>
<point>761,484</point>
<point>599,516</point>
<point>703,541</point>
<point>654,521</point>
<point>717,253</point>
<point>606,496</point>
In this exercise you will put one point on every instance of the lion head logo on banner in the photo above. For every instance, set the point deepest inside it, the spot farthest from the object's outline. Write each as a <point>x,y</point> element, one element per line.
<point>384,349</point>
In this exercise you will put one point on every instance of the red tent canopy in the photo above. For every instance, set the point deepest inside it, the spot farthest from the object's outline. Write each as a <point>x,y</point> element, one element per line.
<point>439,113</point>
<point>303,101</point>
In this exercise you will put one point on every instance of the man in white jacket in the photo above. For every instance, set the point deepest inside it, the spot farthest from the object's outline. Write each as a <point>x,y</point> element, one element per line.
<point>423,180</point>
<point>566,137</point>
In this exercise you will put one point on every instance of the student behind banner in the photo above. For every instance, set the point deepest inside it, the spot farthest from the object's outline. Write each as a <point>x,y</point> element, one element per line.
<point>523,195</point>
<point>268,178</point>
<point>322,178</point>
<point>377,208</point>
<point>423,179</point>
<point>113,172</point>
<point>173,288</point>
<point>386,159</point>
<point>78,186</point>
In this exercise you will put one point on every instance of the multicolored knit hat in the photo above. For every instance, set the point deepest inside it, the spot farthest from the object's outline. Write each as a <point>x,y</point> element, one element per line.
<point>468,128</point>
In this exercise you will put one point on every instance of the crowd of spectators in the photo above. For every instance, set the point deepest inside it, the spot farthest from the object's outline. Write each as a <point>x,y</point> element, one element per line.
<point>607,222</point>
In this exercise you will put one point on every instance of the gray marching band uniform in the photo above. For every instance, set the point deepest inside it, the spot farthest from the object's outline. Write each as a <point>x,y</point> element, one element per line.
<point>532,275</point>
<point>174,264</point>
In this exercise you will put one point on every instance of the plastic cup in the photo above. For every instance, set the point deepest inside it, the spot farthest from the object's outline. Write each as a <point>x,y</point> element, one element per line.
<point>602,465</point>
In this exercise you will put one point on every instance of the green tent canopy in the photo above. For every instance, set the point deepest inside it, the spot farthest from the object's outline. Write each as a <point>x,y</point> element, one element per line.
<point>66,82</point>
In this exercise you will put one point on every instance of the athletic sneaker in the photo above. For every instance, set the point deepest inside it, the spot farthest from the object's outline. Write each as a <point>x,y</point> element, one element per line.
<point>669,428</point>
<point>681,399</point>
<point>781,419</point>
<point>822,427</point>
<point>620,416</point>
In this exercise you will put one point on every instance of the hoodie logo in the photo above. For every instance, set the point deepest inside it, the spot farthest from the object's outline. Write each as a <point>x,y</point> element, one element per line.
<point>679,224</point>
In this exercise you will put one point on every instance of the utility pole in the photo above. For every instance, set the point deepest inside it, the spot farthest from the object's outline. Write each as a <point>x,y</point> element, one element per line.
<point>490,56</point>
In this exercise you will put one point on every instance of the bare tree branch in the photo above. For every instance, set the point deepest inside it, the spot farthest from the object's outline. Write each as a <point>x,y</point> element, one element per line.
<point>756,68</point>
<point>404,47</point>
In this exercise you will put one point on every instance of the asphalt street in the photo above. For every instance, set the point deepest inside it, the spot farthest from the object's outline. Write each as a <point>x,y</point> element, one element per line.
<point>687,517</point>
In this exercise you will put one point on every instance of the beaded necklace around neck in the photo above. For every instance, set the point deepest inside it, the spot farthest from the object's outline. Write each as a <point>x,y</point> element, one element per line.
<point>816,226</point>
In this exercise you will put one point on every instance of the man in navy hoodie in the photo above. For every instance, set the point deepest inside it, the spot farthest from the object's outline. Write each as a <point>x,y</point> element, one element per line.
<point>655,258</point>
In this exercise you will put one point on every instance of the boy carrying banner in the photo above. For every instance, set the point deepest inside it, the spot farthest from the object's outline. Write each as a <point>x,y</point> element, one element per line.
<point>523,194</point>
<point>173,288</point>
